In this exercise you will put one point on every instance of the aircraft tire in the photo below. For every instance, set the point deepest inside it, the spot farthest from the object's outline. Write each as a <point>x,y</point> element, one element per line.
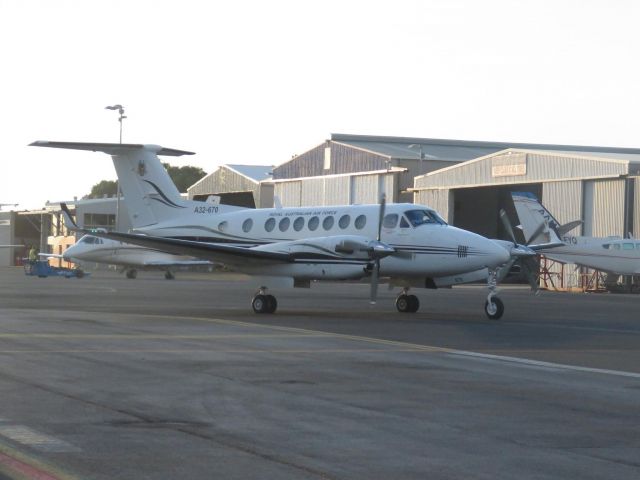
<point>133,273</point>
<point>496,310</point>
<point>169,275</point>
<point>414,303</point>
<point>272,304</point>
<point>403,303</point>
<point>79,273</point>
<point>260,304</point>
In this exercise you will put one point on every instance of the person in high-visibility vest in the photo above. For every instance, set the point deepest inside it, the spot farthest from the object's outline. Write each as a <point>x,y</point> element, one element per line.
<point>33,254</point>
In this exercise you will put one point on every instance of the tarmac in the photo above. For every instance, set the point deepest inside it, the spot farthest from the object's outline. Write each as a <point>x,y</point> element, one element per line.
<point>109,378</point>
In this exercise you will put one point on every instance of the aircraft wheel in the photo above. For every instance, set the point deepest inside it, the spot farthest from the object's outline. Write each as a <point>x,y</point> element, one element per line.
<point>403,304</point>
<point>414,303</point>
<point>495,309</point>
<point>79,273</point>
<point>169,275</point>
<point>133,273</point>
<point>272,304</point>
<point>260,304</point>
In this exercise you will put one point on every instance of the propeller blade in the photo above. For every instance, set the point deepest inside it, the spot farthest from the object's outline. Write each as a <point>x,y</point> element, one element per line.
<point>374,282</point>
<point>531,268</point>
<point>383,204</point>
<point>507,226</point>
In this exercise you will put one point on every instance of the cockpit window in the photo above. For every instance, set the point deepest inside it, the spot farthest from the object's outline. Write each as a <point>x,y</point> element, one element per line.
<point>421,217</point>
<point>390,220</point>
<point>88,239</point>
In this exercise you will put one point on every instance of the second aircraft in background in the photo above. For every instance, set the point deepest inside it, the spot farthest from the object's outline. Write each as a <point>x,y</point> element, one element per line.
<point>130,258</point>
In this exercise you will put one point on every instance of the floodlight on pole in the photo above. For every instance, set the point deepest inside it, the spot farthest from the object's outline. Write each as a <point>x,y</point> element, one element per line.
<point>418,145</point>
<point>120,110</point>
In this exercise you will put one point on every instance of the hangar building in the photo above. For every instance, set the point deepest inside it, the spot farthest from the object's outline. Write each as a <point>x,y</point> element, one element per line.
<point>593,184</point>
<point>598,185</point>
<point>356,169</point>
<point>242,185</point>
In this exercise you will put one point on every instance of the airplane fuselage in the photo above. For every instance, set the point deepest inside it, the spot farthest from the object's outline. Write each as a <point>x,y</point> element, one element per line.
<point>621,256</point>
<point>426,248</point>
<point>102,250</point>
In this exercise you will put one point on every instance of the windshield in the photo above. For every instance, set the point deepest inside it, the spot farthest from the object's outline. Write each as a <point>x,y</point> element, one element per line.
<point>420,217</point>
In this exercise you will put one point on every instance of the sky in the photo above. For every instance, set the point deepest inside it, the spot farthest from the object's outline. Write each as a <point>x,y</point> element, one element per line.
<point>256,82</point>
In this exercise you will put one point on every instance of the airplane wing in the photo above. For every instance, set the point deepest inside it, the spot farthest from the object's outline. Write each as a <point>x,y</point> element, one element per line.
<point>214,252</point>
<point>50,255</point>
<point>180,263</point>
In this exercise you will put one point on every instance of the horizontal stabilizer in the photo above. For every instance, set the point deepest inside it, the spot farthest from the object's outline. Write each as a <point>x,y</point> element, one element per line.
<point>111,148</point>
<point>567,227</point>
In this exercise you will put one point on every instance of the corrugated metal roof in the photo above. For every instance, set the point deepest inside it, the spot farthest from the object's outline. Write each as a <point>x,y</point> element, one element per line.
<point>462,150</point>
<point>430,152</point>
<point>258,173</point>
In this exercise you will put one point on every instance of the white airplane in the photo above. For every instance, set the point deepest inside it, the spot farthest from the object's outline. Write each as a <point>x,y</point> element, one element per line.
<point>290,247</point>
<point>609,254</point>
<point>130,258</point>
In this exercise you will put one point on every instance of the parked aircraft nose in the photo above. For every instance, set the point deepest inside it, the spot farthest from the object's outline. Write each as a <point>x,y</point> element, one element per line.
<point>496,254</point>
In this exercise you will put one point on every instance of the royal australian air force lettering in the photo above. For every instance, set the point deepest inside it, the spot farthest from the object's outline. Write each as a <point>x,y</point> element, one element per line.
<point>423,243</point>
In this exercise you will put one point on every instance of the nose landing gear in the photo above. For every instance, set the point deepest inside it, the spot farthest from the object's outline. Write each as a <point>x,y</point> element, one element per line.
<point>493,306</point>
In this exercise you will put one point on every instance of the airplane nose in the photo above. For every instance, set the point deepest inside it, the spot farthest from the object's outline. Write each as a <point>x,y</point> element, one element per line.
<point>497,254</point>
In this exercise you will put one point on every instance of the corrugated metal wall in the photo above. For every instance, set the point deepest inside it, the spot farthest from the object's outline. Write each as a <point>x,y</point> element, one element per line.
<point>340,190</point>
<point>312,192</point>
<point>439,200</point>
<point>636,208</point>
<point>222,180</point>
<point>604,208</point>
<point>344,159</point>
<point>564,201</point>
<point>336,191</point>
<point>364,189</point>
<point>289,193</point>
<point>540,167</point>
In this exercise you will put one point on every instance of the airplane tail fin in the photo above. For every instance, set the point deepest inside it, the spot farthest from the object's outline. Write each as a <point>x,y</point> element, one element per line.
<point>150,193</point>
<point>537,223</point>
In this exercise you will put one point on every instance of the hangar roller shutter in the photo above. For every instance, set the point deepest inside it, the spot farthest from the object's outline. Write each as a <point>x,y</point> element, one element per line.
<point>289,193</point>
<point>604,208</point>
<point>564,201</point>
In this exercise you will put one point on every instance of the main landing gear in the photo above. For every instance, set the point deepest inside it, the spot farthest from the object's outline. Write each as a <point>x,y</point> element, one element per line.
<point>264,303</point>
<point>407,303</point>
<point>132,273</point>
<point>493,306</point>
<point>169,275</point>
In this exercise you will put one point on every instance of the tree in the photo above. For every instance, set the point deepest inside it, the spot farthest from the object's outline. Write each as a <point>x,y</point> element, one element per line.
<point>183,177</point>
<point>105,187</point>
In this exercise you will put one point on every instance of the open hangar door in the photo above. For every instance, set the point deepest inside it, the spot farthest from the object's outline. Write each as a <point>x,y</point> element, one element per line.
<point>478,209</point>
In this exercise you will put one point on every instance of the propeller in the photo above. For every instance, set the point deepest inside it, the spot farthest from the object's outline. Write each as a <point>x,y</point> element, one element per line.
<point>521,254</point>
<point>376,250</point>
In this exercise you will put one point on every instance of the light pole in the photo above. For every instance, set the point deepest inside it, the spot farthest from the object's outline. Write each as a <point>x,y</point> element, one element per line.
<point>419,145</point>
<point>120,110</point>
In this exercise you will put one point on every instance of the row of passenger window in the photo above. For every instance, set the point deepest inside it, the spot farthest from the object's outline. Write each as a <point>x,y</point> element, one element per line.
<point>298,224</point>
